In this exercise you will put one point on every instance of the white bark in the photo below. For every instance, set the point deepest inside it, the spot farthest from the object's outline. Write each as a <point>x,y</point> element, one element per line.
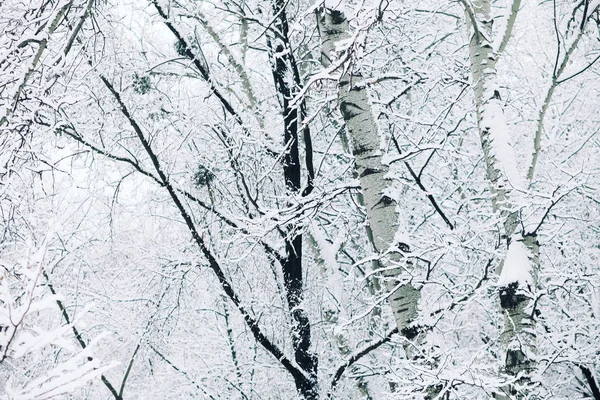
<point>518,277</point>
<point>365,137</point>
<point>559,69</point>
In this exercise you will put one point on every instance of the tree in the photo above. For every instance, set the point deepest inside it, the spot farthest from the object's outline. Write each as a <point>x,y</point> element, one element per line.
<point>241,188</point>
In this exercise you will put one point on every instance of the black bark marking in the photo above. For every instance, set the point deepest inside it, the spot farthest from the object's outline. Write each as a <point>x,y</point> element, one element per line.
<point>516,360</point>
<point>411,332</point>
<point>350,110</point>
<point>369,171</point>
<point>359,150</point>
<point>510,298</point>
<point>404,247</point>
<point>385,201</point>
<point>337,17</point>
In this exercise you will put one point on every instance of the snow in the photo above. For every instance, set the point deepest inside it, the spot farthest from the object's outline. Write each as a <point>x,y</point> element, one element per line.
<point>335,282</point>
<point>596,303</point>
<point>593,5</point>
<point>402,236</point>
<point>500,142</point>
<point>517,265</point>
<point>338,5</point>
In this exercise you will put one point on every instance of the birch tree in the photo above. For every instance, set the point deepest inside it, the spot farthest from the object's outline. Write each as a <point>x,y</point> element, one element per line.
<point>519,269</point>
<point>239,189</point>
<point>357,113</point>
<point>518,272</point>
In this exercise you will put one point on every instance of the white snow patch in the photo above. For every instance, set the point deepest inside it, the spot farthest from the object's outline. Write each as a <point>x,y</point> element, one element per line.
<point>338,5</point>
<point>402,237</point>
<point>596,300</point>
<point>335,282</point>
<point>517,266</point>
<point>500,142</point>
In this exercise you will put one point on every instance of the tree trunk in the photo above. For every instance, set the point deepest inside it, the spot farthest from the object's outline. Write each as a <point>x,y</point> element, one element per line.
<point>287,81</point>
<point>366,141</point>
<point>518,277</point>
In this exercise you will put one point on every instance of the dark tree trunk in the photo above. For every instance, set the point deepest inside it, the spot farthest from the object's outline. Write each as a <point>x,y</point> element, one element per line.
<point>287,82</point>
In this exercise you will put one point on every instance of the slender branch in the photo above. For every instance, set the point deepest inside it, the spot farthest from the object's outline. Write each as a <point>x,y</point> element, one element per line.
<point>591,381</point>
<point>557,33</point>
<point>165,359</point>
<point>558,70</point>
<point>250,321</point>
<point>139,345</point>
<point>225,50</point>
<point>420,10</point>
<point>466,297</point>
<point>186,49</point>
<point>357,356</point>
<point>585,14</point>
<point>471,15</point>
<point>419,183</point>
<point>42,44</point>
<point>579,72</point>
<point>510,23</point>
<point>231,342</point>
<point>129,367</point>
<point>77,335</point>
<point>233,161</point>
<point>78,27</point>
<point>552,204</point>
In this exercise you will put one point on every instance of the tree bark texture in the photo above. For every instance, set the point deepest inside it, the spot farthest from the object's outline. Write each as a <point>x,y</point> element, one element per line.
<point>287,82</point>
<point>355,108</point>
<point>518,277</point>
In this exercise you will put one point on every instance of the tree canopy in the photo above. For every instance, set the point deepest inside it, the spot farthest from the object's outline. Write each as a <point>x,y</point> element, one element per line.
<point>289,199</point>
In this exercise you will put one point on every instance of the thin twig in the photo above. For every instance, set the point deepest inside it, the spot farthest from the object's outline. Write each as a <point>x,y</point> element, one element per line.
<point>252,323</point>
<point>417,180</point>
<point>357,356</point>
<point>165,359</point>
<point>77,335</point>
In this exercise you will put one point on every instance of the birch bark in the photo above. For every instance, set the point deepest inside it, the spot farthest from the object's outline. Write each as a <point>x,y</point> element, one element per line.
<point>355,108</point>
<point>518,277</point>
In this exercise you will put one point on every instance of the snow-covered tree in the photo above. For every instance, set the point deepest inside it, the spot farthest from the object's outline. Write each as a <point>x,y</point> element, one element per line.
<point>292,199</point>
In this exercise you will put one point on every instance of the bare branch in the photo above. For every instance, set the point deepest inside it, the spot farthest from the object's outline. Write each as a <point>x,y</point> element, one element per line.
<point>77,335</point>
<point>510,23</point>
<point>357,356</point>
<point>251,322</point>
<point>589,376</point>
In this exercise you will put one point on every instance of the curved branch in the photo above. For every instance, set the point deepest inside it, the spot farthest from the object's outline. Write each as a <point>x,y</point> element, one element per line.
<point>77,335</point>
<point>246,85</point>
<point>472,19</point>
<point>510,23</point>
<point>357,356</point>
<point>417,179</point>
<point>186,49</point>
<point>214,265</point>
<point>591,381</point>
<point>558,70</point>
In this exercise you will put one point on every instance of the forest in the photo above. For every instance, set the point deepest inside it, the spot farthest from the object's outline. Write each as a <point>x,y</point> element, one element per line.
<point>299,199</point>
